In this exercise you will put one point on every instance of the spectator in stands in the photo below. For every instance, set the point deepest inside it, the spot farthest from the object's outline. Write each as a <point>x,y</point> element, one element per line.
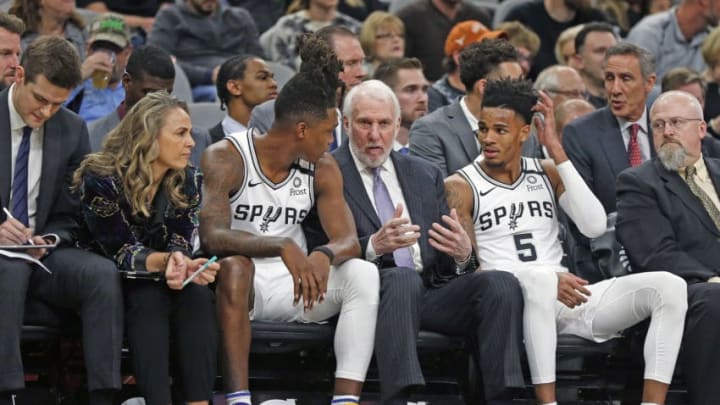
<point>711,54</point>
<point>556,301</point>
<point>382,37</point>
<point>243,82</point>
<point>568,111</point>
<point>50,18</point>
<point>202,34</point>
<point>668,221</point>
<point>591,44</point>
<point>449,88</point>
<point>446,137</point>
<point>267,271</point>
<point>136,14</point>
<point>548,18</point>
<point>11,28</point>
<point>279,42</point>
<point>149,69</point>
<point>613,138</point>
<point>361,9</point>
<point>140,205</point>
<point>43,144</point>
<point>427,279</point>
<point>344,44</point>
<point>525,41</point>
<point>675,36</point>
<point>429,22</point>
<point>565,45</point>
<point>560,83</point>
<point>108,50</point>
<point>405,77</point>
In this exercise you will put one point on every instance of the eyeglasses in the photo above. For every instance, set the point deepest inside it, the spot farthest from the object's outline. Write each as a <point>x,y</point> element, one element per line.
<point>674,122</point>
<point>389,35</point>
<point>569,93</point>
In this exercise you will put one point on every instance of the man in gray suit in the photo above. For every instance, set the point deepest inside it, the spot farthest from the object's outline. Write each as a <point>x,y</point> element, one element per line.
<point>446,137</point>
<point>41,145</point>
<point>149,69</point>
<point>611,139</point>
<point>427,276</point>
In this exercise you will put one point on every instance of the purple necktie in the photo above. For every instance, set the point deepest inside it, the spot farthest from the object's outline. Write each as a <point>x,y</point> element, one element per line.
<point>386,210</point>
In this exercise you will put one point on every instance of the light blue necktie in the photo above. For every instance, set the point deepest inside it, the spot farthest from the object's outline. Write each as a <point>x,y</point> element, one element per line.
<point>386,210</point>
<point>404,150</point>
<point>19,207</point>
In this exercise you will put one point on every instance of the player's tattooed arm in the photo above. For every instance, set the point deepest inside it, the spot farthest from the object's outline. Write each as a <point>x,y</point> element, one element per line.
<point>459,196</point>
<point>223,169</point>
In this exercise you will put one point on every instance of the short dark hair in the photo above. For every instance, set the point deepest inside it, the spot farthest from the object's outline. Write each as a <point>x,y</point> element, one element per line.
<point>312,91</point>
<point>53,57</point>
<point>681,76</point>
<point>12,23</point>
<point>589,28</point>
<point>512,94</point>
<point>478,60</point>
<point>232,69</point>
<point>388,70</point>
<point>152,61</point>
<point>329,33</point>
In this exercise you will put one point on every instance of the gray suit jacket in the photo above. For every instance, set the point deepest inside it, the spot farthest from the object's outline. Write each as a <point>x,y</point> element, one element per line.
<point>445,139</point>
<point>596,148</point>
<point>416,178</point>
<point>65,144</point>
<point>101,127</point>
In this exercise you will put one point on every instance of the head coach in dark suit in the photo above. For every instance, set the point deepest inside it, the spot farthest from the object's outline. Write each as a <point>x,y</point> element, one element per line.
<point>427,273</point>
<point>41,145</point>
<point>668,219</point>
<point>611,139</point>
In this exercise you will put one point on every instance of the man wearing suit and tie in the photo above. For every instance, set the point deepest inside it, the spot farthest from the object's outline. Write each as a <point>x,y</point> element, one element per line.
<point>668,219</point>
<point>611,139</point>
<point>427,276</point>
<point>41,145</point>
<point>446,137</point>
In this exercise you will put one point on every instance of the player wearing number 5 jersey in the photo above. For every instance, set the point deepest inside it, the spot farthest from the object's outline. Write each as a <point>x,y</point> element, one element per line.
<point>510,205</point>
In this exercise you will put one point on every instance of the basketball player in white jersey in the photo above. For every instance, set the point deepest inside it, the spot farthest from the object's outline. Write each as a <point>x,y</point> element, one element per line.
<point>510,205</point>
<point>258,188</point>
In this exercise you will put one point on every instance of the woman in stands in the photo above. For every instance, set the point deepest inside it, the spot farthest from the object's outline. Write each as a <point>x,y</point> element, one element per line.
<point>140,202</point>
<point>382,37</point>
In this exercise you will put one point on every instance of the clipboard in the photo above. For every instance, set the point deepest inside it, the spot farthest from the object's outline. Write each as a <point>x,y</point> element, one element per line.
<point>51,239</point>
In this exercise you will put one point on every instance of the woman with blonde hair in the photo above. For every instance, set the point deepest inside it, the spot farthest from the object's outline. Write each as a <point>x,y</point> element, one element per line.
<point>382,38</point>
<point>140,202</point>
<point>50,17</point>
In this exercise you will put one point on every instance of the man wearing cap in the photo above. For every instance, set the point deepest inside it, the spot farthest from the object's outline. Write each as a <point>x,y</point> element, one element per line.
<point>446,137</point>
<point>449,87</point>
<point>108,50</point>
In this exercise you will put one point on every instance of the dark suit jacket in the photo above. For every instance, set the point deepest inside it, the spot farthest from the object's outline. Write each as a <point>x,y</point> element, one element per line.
<point>664,226</point>
<point>65,144</point>
<point>444,138</point>
<point>424,191</point>
<point>595,145</point>
<point>217,133</point>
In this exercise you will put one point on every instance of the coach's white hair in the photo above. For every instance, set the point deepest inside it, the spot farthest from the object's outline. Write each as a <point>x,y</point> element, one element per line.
<point>374,89</point>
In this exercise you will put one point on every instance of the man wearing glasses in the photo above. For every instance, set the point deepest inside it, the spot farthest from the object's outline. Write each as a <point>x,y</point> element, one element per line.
<point>668,219</point>
<point>611,139</point>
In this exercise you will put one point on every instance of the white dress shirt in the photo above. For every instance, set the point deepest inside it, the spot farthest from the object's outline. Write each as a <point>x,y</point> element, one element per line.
<point>642,137</point>
<point>34,159</point>
<point>471,119</point>
<point>230,125</point>
<point>389,176</point>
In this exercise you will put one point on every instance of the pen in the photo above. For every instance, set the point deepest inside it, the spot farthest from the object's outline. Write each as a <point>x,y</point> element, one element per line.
<point>9,215</point>
<point>200,270</point>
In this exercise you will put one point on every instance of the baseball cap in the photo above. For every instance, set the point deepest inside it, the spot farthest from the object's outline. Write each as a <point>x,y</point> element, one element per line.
<point>109,27</point>
<point>466,33</point>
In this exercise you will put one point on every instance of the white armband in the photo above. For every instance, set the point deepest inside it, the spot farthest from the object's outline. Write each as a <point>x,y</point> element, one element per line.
<point>581,205</point>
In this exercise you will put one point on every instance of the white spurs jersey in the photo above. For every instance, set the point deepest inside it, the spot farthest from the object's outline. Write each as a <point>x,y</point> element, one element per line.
<point>265,208</point>
<point>516,225</point>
